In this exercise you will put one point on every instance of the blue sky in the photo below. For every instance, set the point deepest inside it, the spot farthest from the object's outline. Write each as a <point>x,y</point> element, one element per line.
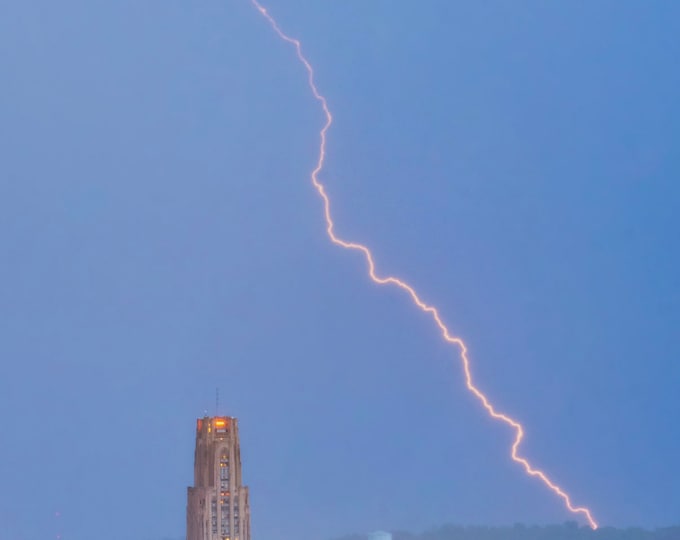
<point>516,162</point>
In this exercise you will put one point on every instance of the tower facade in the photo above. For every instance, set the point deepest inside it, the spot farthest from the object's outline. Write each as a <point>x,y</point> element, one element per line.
<point>217,503</point>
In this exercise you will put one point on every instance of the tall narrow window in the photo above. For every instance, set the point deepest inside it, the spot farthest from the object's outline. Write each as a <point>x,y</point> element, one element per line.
<point>225,496</point>
<point>213,515</point>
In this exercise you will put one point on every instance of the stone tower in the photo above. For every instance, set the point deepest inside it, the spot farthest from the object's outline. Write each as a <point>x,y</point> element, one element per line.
<point>217,504</point>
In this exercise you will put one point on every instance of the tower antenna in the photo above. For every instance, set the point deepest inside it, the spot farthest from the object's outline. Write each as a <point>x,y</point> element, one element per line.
<point>217,401</point>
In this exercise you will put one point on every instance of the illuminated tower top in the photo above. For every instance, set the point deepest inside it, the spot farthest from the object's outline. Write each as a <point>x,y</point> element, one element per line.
<point>217,505</point>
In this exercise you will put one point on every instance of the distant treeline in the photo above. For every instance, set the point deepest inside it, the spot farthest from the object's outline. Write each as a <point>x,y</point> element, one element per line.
<point>568,531</point>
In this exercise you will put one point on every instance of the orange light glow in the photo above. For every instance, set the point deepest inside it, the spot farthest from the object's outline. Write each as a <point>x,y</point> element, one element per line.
<point>220,423</point>
<point>408,289</point>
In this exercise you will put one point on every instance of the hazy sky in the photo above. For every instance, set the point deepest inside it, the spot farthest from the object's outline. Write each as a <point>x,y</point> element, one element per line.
<point>516,161</point>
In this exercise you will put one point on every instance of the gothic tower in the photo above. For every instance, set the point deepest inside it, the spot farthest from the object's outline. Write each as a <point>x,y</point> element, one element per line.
<point>217,504</point>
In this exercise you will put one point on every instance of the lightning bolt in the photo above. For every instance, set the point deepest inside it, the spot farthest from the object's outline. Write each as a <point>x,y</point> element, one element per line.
<point>408,289</point>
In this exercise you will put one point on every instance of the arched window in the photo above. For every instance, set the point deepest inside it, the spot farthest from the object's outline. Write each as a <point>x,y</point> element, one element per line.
<point>224,469</point>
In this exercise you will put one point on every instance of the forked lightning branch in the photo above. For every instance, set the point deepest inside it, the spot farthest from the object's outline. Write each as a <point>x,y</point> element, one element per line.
<point>408,289</point>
